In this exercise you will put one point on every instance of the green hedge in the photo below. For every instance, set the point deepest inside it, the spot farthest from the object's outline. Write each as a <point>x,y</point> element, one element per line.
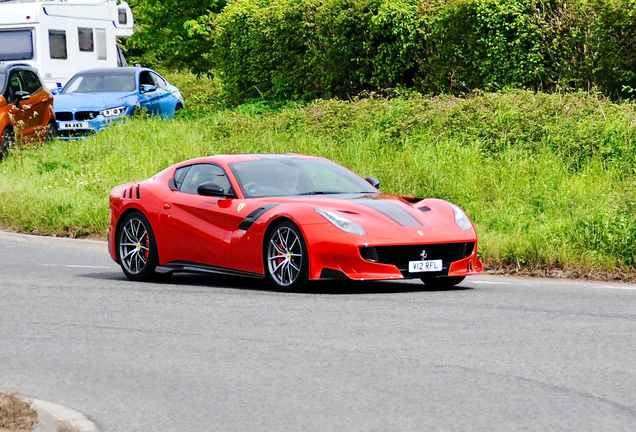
<point>282,49</point>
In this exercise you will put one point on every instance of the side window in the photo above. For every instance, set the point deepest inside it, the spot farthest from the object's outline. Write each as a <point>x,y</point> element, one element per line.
<point>57,44</point>
<point>145,78</point>
<point>159,81</point>
<point>100,35</point>
<point>15,84</point>
<point>85,37</point>
<point>201,173</point>
<point>179,175</point>
<point>33,84</point>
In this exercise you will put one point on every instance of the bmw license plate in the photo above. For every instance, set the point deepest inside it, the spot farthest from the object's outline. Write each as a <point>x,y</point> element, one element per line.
<point>425,266</point>
<point>73,125</point>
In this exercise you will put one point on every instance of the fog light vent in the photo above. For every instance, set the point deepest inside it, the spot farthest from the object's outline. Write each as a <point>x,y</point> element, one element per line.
<point>369,254</point>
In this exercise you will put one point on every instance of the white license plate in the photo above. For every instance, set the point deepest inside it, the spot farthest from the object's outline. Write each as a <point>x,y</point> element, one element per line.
<point>73,125</point>
<point>425,266</point>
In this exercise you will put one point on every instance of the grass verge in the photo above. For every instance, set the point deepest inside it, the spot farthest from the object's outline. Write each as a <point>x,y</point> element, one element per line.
<point>549,180</point>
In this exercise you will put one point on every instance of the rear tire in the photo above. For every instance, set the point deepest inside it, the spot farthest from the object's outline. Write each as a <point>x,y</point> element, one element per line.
<point>443,282</point>
<point>136,247</point>
<point>6,142</point>
<point>285,257</point>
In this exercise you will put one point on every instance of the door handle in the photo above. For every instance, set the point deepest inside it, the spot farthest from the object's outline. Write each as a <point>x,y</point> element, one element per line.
<point>166,206</point>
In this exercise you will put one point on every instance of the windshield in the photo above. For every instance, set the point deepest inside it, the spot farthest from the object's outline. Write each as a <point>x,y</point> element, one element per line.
<point>100,82</point>
<point>287,176</point>
<point>16,45</point>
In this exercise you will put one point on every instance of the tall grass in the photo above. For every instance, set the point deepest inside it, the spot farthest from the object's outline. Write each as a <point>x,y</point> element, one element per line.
<point>549,180</point>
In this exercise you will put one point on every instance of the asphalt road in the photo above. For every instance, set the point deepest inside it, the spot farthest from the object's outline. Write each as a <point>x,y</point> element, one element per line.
<point>199,353</point>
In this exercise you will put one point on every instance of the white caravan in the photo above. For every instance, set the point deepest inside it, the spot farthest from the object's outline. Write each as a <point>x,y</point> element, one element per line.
<point>63,37</point>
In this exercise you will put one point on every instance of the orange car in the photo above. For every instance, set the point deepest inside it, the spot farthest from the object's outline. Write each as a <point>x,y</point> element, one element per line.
<point>26,107</point>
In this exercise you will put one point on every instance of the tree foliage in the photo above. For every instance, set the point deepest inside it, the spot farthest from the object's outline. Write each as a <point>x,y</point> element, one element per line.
<point>291,49</point>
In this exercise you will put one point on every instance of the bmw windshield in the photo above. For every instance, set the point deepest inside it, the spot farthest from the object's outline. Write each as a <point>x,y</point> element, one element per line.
<point>100,82</point>
<point>287,176</point>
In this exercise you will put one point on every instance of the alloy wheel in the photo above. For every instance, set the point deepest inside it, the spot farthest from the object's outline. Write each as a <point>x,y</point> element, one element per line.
<point>134,245</point>
<point>285,257</point>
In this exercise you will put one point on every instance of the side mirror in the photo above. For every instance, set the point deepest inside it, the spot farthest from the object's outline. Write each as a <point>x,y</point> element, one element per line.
<point>56,90</point>
<point>147,88</point>
<point>21,96</point>
<point>373,182</point>
<point>211,188</point>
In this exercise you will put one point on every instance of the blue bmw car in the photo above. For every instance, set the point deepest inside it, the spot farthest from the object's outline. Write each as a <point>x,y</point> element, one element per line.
<point>93,99</point>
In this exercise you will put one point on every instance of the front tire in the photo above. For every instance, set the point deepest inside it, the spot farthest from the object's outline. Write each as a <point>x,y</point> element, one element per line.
<point>443,282</point>
<point>286,258</point>
<point>6,142</point>
<point>136,247</point>
<point>51,131</point>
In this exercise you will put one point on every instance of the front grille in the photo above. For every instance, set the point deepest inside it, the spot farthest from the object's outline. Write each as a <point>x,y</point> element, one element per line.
<point>64,116</point>
<point>400,256</point>
<point>86,115</point>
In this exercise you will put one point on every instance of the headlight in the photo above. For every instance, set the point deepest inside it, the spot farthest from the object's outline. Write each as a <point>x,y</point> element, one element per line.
<point>113,112</point>
<point>341,222</point>
<point>460,218</point>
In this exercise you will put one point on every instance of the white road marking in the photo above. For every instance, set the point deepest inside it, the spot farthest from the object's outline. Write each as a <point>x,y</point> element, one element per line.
<point>78,266</point>
<point>588,284</point>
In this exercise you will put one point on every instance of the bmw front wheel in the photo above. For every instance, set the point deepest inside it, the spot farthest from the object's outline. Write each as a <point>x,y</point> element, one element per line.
<point>136,247</point>
<point>286,257</point>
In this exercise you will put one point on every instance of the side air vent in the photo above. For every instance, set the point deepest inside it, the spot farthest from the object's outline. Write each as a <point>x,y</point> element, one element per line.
<point>369,254</point>
<point>138,196</point>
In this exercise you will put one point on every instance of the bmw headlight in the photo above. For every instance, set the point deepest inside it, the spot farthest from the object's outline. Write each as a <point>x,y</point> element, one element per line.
<point>114,112</point>
<point>460,218</point>
<point>341,222</point>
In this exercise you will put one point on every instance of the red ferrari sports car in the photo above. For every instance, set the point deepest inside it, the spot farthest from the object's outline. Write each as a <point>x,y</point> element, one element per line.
<point>286,217</point>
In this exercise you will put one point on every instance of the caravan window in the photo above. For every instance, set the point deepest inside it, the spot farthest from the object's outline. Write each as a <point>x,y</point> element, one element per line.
<point>123,19</point>
<point>16,44</point>
<point>57,44</point>
<point>85,37</point>
<point>101,43</point>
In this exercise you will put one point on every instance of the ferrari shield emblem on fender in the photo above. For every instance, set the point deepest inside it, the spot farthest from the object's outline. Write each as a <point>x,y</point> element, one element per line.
<point>240,207</point>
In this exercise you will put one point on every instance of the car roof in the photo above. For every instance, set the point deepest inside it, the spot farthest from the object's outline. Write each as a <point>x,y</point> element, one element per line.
<point>232,158</point>
<point>6,67</point>
<point>116,70</point>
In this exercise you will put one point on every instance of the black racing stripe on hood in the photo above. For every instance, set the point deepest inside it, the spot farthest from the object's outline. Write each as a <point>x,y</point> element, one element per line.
<point>393,212</point>
<point>406,212</point>
<point>252,217</point>
<point>371,206</point>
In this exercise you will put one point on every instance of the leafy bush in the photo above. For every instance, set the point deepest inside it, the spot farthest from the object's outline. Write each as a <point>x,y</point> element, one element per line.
<point>303,49</point>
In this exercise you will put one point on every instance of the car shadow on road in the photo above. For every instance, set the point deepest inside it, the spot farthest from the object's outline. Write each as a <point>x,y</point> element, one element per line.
<point>312,287</point>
